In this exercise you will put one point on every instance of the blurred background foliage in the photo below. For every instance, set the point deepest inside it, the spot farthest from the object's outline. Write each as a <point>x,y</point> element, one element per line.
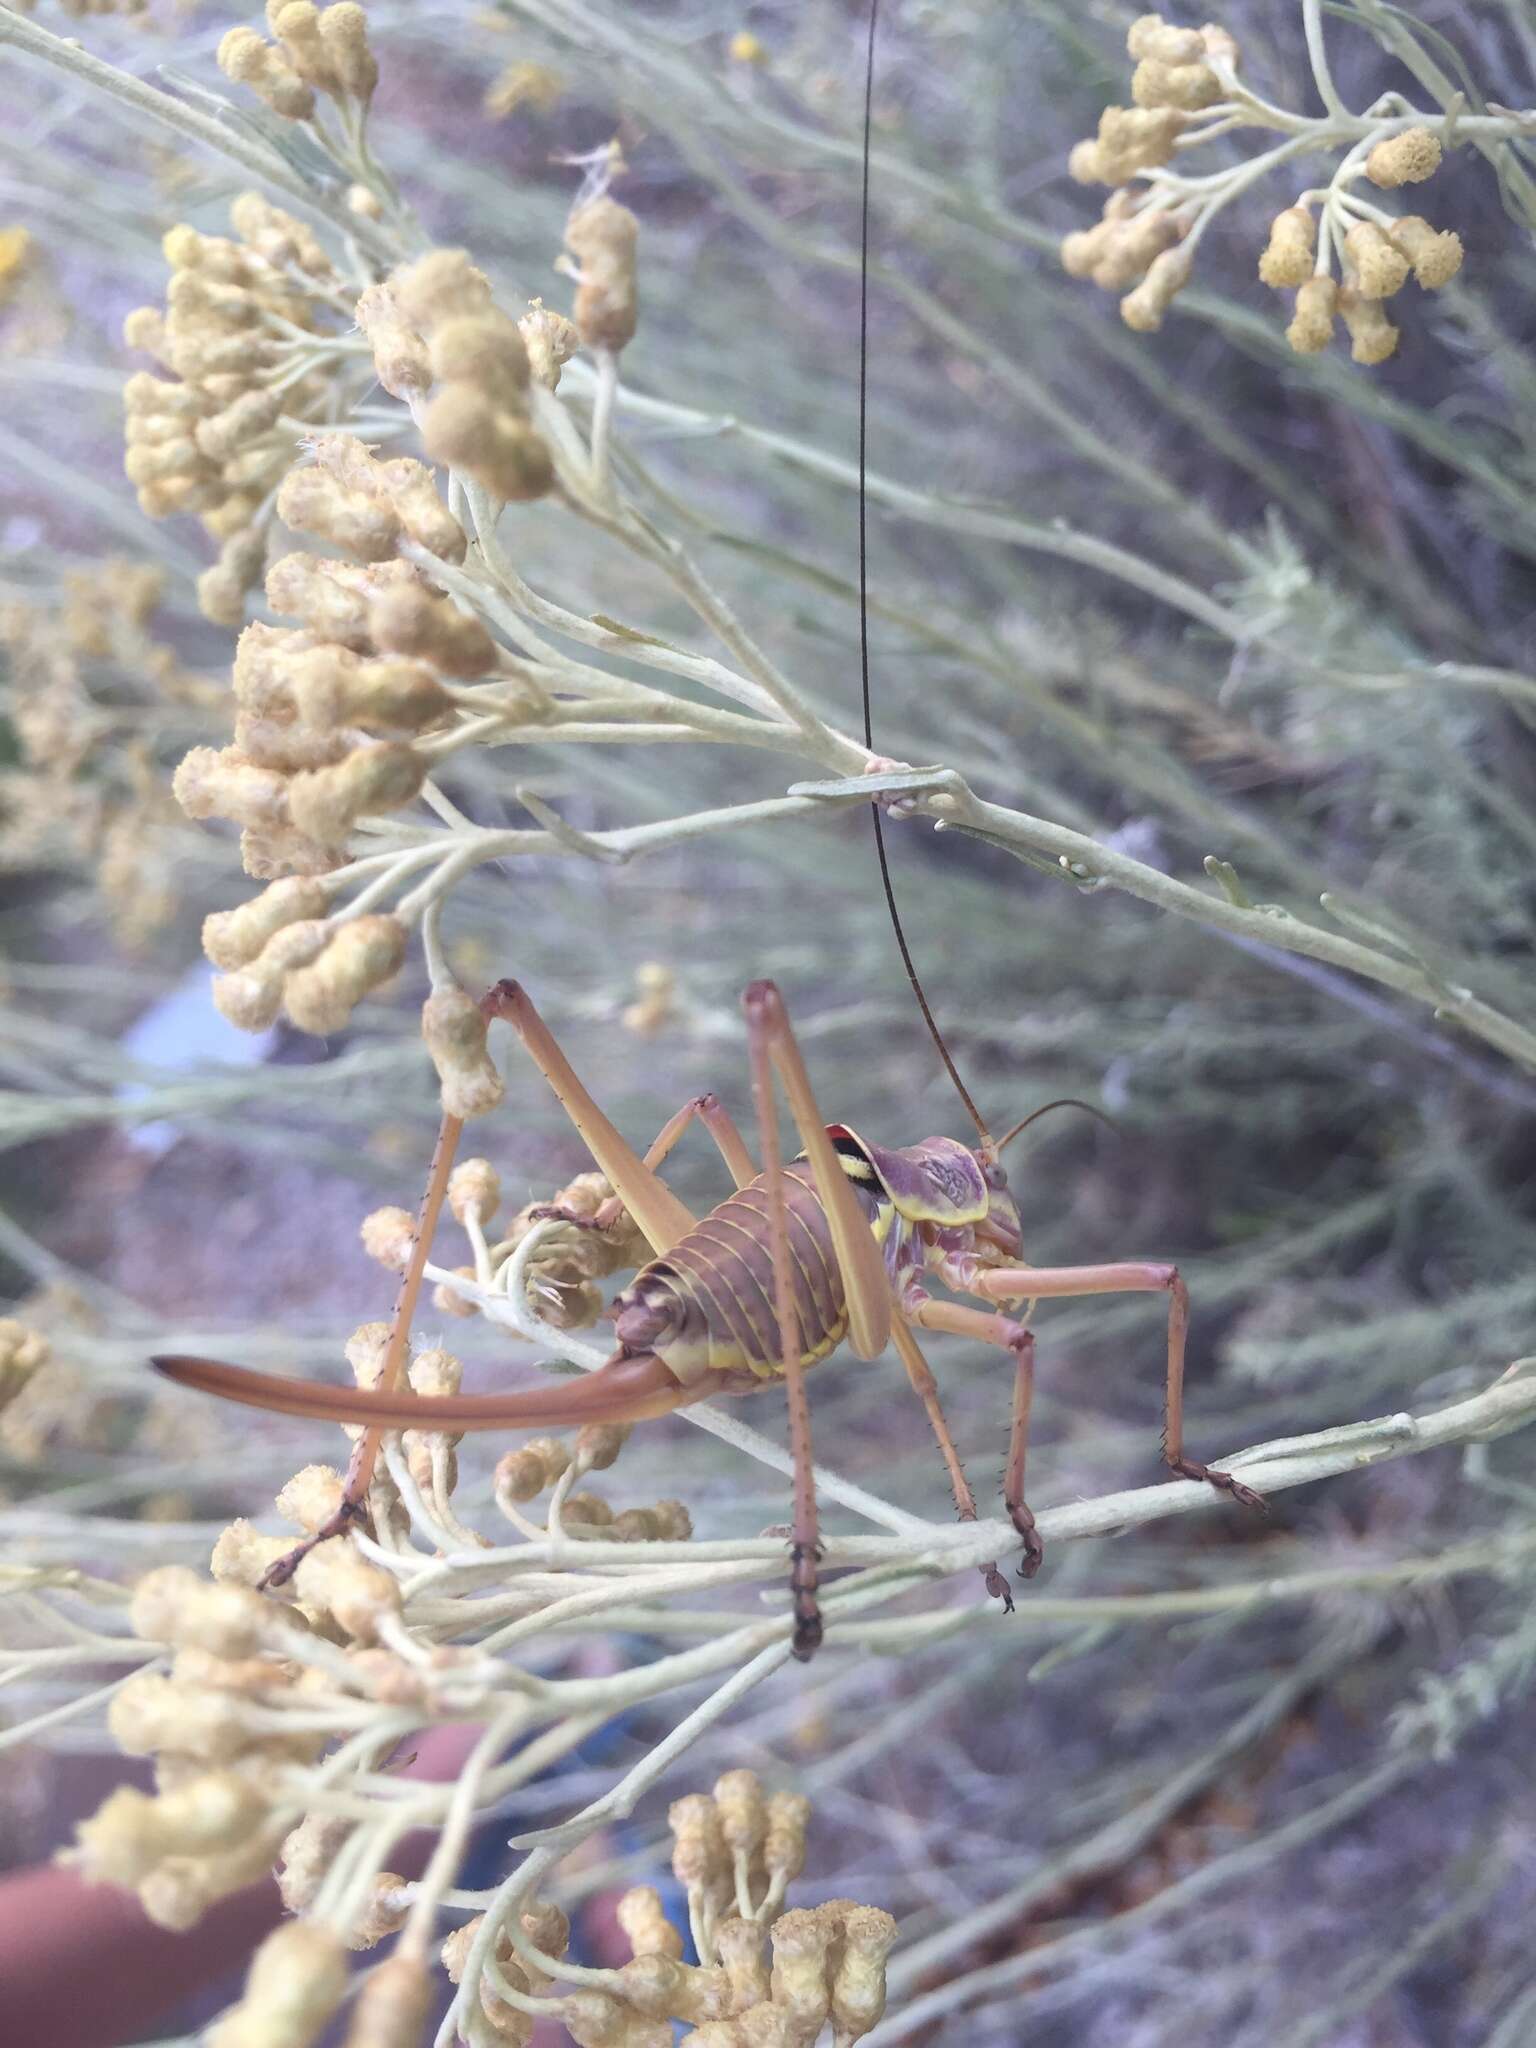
<point>1209,1829</point>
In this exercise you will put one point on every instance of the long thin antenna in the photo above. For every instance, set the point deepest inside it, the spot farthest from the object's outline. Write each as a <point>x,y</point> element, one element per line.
<point>869,740</point>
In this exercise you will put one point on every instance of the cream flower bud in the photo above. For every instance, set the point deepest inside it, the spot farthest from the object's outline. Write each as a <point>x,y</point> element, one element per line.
<point>396,1999</point>
<point>1150,36</point>
<point>789,1815</point>
<point>474,1184</point>
<point>646,1926</point>
<point>598,1444</point>
<point>244,57</point>
<point>1405,159</point>
<point>339,1581</point>
<point>1087,165</point>
<point>278,236</point>
<point>594,2020</point>
<point>307,1854</point>
<point>1371,334</point>
<point>698,1844</point>
<point>1167,274</point>
<point>484,349</point>
<point>1435,256</point>
<point>409,620</point>
<point>800,1940</point>
<point>670,1522</point>
<point>379,1915</point>
<point>297,1979</point>
<point>181,1890</point>
<point>1189,87</point>
<point>221,589</point>
<point>858,1985</point>
<point>439,286</point>
<point>297,27</point>
<point>388,1236</point>
<point>741,1948</point>
<point>174,1605</point>
<point>248,417</point>
<point>153,1712</point>
<point>1380,267</point>
<point>365,1349</point>
<point>1082,251</point>
<point>550,340</point>
<point>454,1029</point>
<point>601,236</point>
<point>587,1514</point>
<point>311,502</point>
<point>522,1475</point>
<point>233,938</point>
<point>1288,256</point>
<point>1130,246</point>
<point>743,1815</point>
<point>1133,139</point>
<point>364,953</point>
<point>399,352</point>
<point>251,997</point>
<point>333,687</point>
<point>435,1372</point>
<point>327,802</point>
<point>311,1497</point>
<point>333,598</point>
<point>144,328</point>
<point>463,427</point>
<point>242,1555</point>
<point>222,784</point>
<point>1311,327</point>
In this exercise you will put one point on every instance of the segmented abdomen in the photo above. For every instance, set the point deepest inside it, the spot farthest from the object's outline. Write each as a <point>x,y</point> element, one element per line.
<point>707,1305</point>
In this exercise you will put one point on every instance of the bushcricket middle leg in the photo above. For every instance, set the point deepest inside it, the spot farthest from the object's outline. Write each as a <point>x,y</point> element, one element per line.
<point>1128,1276</point>
<point>924,1385</point>
<point>990,1327</point>
<point>866,1288</point>
<point>365,1452</point>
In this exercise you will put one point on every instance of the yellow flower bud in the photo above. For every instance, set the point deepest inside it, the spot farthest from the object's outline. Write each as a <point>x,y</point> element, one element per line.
<point>1288,258</point>
<point>1311,327</point>
<point>1405,159</point>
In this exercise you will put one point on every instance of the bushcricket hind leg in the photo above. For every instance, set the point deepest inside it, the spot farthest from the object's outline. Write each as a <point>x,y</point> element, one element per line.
<point>1129,1276</point>
<point>920,1374</point>
<point>765,1018</point>
<point>1012,1336</point>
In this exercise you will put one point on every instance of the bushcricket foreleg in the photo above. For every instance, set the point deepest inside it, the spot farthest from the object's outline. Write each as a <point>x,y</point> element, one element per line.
<point>1008,1335</point>
<point>1130,1276</point>
<point>716,1119</point>
<point>764,1011</point>
<point>926,1388</point>
<point>662,1218</point>
<point>365,1452</point>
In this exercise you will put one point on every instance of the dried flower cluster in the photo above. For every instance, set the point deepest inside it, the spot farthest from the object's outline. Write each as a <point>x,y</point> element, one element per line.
<point>249,329</point>
<point>590,1238</point>
<point>90,682</point>
<point>317,50</point>
<point>1186,93</point>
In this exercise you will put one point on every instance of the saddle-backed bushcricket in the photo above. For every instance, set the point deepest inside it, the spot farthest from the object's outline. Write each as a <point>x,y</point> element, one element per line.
<point>836,1244</point>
